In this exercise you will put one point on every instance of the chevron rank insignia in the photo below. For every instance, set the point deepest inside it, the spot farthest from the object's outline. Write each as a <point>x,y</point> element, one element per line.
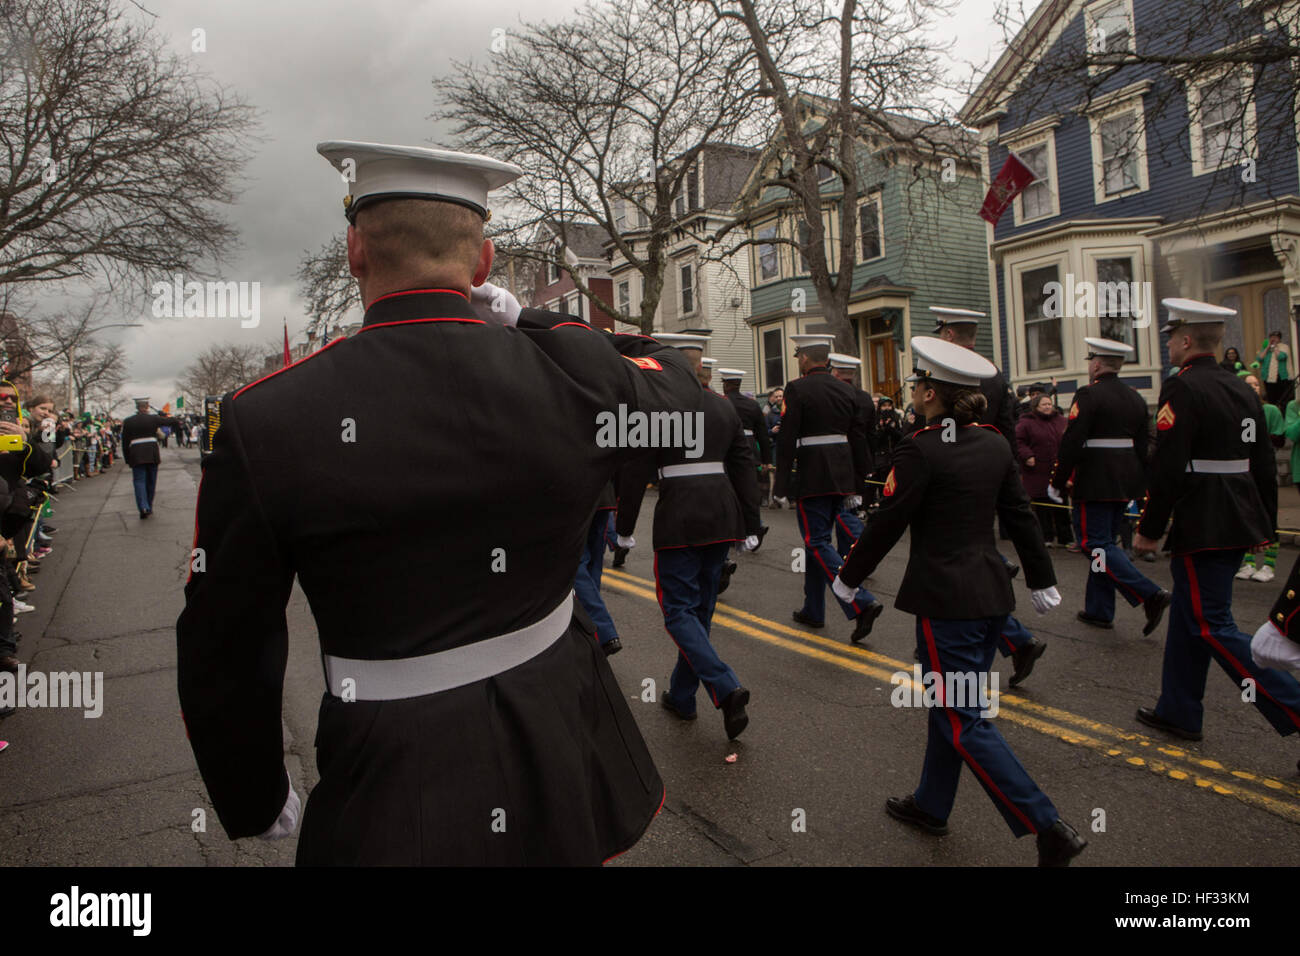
<point>1165,420</point>
<point>890,484</point>
<point>645,362</point>
<point>1074,411</point>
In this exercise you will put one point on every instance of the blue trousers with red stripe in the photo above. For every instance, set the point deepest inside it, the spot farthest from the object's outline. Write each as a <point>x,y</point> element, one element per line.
<point>958,734</point>
<point>1095,525</point>
<point>822,563</point>
<point>687,582</point>
<point>1201,627</point>
<point>1014,636</point>
<point>586,585</point>
<point>848,528</point>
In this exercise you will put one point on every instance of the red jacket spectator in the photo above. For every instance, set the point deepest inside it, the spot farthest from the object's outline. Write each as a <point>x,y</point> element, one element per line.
<point>1038,437</point>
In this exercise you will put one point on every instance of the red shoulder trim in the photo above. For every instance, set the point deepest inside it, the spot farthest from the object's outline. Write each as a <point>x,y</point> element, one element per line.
<point>981,425</point>
<point>380,325</point>
<point>286,368</point>
<point>581,325</point>
<point>393,295</point>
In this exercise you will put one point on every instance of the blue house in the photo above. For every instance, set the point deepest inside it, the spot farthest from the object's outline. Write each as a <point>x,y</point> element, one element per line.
<point>1151,182</point>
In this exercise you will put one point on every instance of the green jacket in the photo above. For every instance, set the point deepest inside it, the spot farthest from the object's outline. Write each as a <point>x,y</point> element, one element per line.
<point>1264,357</point>
<point>1292,431</point>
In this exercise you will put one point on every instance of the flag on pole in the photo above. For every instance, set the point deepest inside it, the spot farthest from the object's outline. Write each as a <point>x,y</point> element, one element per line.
<point>1009,183</point>
<point>287,359</point>
<point>180,402</point>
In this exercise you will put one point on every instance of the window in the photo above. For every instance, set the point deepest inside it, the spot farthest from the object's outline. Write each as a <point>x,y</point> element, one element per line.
<point>1222,115</point>
<point>768,265</point>
<point>869,227</point>
<point>824,172</point>
<point>625,296</point>
<point>1037,200</point>
<point>1110,27</point>
<point>689,198</point>
<point>553,266</point>
<point>1116,310</point>
<point>773,358</point>
<point>573,305</point>
<point>1119,154</point>
<point>620,214</point>
<point>1042,330</point>
<point>687,273</point>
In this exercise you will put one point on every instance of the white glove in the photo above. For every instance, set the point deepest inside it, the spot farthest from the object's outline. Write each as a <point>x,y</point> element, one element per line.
<point>288,819</point>
<point>1271,648</point>
<point>783,502</point>
<point>494,305</point>
<point>628,542</point>
<point>1044,599</point>
<point>1055,495</point>
<point>750,543</point>
<point>843,591</point>
<point>852,502</point>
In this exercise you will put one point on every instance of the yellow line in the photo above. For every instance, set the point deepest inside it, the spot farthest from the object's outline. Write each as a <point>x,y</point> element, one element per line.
<point>1204,773</point>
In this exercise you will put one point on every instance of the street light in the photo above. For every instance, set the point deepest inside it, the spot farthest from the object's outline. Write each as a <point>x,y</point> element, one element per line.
<point>72,352</point>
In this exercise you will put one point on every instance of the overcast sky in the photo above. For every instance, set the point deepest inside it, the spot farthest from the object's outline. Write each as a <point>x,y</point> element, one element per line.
<point>327,69</point>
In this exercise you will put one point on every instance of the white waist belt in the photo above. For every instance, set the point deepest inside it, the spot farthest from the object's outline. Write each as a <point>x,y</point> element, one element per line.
<point>1108,443</point>
<point>822,440</point>
<point>749,432</point>
<point>695,468</point>
<point>1216,466</point>
<point>433,673</point>
<point>136,441</point>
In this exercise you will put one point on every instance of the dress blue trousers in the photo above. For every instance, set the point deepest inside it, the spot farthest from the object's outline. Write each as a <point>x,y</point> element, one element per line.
<point>144,478</point>
<point>586,585</point>
<point>1095,525</point>
<point>1201,627</point>
<point>686,580</point>
<point>958,734</point>
<point>822,563</point>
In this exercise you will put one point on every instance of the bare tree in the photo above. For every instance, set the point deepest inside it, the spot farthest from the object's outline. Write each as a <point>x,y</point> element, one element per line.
<point>219,369</point>
<point>327,285</point>
<point>98,367</point>
<point>869,72</point>
<point>114,151</point>
<point>606,113</point>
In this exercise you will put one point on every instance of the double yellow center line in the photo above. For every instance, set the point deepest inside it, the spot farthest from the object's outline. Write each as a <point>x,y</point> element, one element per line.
<point>1136,750</point>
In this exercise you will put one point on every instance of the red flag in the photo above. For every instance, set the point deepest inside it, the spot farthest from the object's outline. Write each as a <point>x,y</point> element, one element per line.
<point>287,359</point>
<point>1010,183</point>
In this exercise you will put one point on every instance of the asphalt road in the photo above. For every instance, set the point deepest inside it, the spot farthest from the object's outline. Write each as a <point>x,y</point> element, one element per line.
<point>823,750</point>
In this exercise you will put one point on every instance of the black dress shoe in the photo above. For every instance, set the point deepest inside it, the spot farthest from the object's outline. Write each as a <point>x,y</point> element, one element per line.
<point>762,533</point>
<point>1025,658</point>
<point>612,647</point>
<point>865,620</point>
<point>1013,569</point>
<point>806,621</point>
<point>734,718</point>
<point>9,663</point>
<point>49,529</point>
<point>620,556</point>
<point>1059,845</point>
<point>1155,607</point>
<point>1095,621</point>
<point>145,514</point>
<point>673,709</point>
<point>724,580</point>
<point>905,809</point>
<point>1149,717</point>
<point>7,711</point>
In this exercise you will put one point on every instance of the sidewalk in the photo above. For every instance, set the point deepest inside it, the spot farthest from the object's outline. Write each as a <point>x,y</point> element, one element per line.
<point>120,789</point>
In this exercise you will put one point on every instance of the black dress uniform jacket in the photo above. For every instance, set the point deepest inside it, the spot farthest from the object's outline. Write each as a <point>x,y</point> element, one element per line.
<point>751,417</point>
<point>954,570</point>
<point>699,509</point>
<point>820,404</point>
<point>1000,412</point>
<point>867,415</point>
<point>143,425</point>
<point>1283,614</point>
<point>291,488</point>
<point>1207,413</point>
<point>1105,409</point>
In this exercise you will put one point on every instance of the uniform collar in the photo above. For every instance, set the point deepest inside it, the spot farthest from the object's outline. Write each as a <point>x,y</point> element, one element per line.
<point>1204,358</point>
<point>818,371</point>
<point>416,304</point>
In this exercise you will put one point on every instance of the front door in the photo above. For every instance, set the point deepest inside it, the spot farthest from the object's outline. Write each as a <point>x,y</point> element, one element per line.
<point>1262,307</point>
<point>883,358</point>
